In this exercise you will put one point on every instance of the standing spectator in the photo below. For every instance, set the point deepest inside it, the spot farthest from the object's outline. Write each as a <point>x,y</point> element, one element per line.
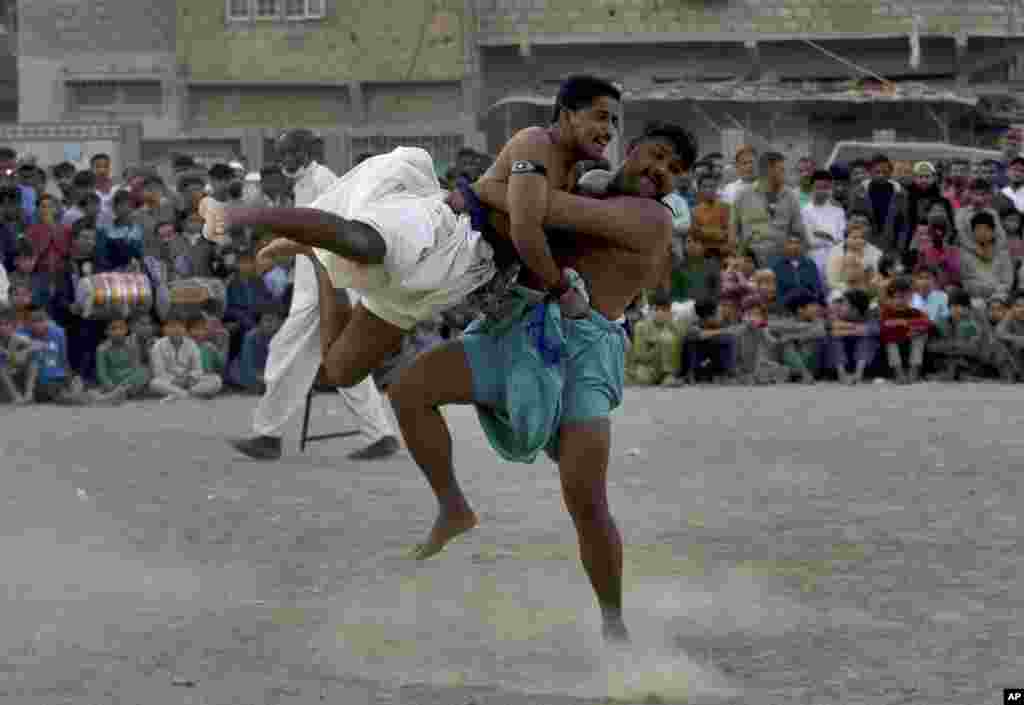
<point>15,360</point>
<point>177,365</point>
<point>806,168</point>
<point>986,269</point>
<point>119,245</point>
<point>981,196</point>
<point>711,220</point>
<point>119,367</point>
<point>746,174</point>
<point>51,242</point>
<point>824,220</point>
<point>64,175</point>
<point>155,208</point>
<point>794,270</point>
<point>762,217</point>
<point>857,244</point>
<point>840,174</point>
<point>1014,191</point>
<point>83,184</point>
<point>924,193</point>
<point>101,166</point>
<point>927,297</point>
<point>957,182</point>
<point>274,186</point>
<point>26,180</point>
<point>247,370</point>
<point>853,337</point>
<point>860,174</point>
<point>904,331</point>
<point>84,233</point>
<point>886,203</point>
<point>11,224</point>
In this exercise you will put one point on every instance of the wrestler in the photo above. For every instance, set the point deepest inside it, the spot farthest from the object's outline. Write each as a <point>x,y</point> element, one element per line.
<point>530,400</point>
<point>534,161</point>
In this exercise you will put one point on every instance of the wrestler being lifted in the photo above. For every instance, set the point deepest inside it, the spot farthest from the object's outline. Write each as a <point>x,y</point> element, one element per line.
<point>390,233</point>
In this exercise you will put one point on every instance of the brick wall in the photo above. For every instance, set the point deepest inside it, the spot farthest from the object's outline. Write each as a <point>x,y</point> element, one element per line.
<point>555,17</point>
<point>382,40</point>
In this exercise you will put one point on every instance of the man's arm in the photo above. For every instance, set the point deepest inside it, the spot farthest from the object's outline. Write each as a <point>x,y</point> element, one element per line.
<point>528,191</point>
<point>629,222</point>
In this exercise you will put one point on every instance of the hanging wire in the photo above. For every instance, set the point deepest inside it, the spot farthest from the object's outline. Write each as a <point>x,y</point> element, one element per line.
<point>850,64</point>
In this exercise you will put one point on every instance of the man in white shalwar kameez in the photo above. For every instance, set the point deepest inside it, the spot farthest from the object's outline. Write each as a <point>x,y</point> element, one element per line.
<point>295,352</point>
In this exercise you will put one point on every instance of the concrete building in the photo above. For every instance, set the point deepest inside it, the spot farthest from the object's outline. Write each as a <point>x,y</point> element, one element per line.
<point>785,73</point>
<point>219,78</point>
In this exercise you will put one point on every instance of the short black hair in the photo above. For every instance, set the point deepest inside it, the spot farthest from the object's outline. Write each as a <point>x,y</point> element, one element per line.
<point>959,297</point>
<point>901,285</point>
<point>879,158</point>
<point>64,168</point>
<point>84,179</point>
<point>683,142</point>
<point>983,218</point>
<point>102,156</point>
<point>887,263</point>
<point>798,298</point>
<point>89,197</point>
<point>221,172</point>
<point>858,299</point>
<point>821,175</point>
<point>580,91</point>
<point>123,196</point>
<point>10,193</point>
<point>183,161</point>
<point>7,154</point>
<point>153,180</point>
<point>981,185</point>
<point>705,308</point>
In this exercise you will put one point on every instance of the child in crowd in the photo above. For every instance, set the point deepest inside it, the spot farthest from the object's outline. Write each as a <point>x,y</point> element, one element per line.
<point>214,359</point>
<point>766,287</point>
<point>246,371</point>
<point>957,343</point>
<point>55,381</point>
<point>904,329</point>
<point>178,365</point>
<point>119,245</point>
<point>144,328</point>
<point>15,360</point>
<point>754,355</point>
<point>736,284</point>
<point>654,356</point>
<point>710,347</point>
<point>1010,331</point>
<point>120,371</point>
<point>853,336</point>
<point>927,297</point>
<point>803,342</point>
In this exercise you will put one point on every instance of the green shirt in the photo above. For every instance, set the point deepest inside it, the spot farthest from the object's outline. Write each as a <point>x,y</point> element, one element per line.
<point>115,364</point>
<point>213,359</point>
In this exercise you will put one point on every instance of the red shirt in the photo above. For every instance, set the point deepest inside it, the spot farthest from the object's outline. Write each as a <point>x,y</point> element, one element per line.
<point>893,329</point>
<point>51,245</point>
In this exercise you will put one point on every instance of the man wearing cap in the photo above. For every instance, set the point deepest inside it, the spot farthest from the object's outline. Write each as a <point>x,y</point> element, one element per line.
<point>295,351</point>
<point>923,193</point>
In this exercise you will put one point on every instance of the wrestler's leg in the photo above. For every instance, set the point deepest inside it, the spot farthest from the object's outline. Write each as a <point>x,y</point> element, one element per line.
<point>439,377</point>
<point>583,455</point>
<point>364,344</point>
<point>335,310</point>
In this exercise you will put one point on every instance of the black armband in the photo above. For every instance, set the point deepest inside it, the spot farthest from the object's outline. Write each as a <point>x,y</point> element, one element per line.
<point>523,166</point>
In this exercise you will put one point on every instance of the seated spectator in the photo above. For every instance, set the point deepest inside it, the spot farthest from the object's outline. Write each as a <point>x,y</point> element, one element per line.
<point>16,369</point>
<point>981,194</point>
<point>856,243</point>
<point>748,263</point>
<point>119,246</point>
<point>933,250</point>
<point>755,346</point>
<point>654,356</point>
<point>795,270</point>
<point>710,346</point>
<point>144,328</point>
<point>826,222</point>
<point>904,331</point>
<point>889,268</point>
<point>120,371</point>
<point>766,286</point>
<point>55,382</point>
<point>856,279</point>
<point>965,343</point>
<point>710,224</point>
<point>247,295</point>
<point>735,283</point>
<point>927,296</point>
<point>697,278</point>
<point>1010,332</point>
<point>214,358</point>
<point>177,371</point>
<point>21,302</point>
<point>853,337</point>
<point>986,270</point>
<point>801,339</point>
<point>247,370</point>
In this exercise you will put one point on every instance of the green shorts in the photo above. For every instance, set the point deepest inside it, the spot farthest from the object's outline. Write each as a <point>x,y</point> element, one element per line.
<point>523,399</point>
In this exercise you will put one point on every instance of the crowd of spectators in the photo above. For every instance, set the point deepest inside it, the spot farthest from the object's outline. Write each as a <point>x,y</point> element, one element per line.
<point>851,273</point>
<point>63,228</point>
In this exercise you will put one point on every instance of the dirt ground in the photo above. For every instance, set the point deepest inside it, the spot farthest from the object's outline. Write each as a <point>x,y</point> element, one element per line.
<point>784,545</point>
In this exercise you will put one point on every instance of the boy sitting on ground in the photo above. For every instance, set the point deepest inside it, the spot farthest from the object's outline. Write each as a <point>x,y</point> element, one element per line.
<point>904,331</point>
<point>15,361</point>
<point>654,356</point>
<point>853,336</point>
<point>178,367</point>
<point>119,367</point>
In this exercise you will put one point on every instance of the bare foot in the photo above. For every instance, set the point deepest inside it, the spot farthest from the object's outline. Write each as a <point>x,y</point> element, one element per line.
<point>446,528</point>
<point>614,631</point>
<point>283,248</point>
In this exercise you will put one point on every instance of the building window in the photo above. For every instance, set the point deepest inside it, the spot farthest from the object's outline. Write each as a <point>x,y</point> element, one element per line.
<point>115,98</point>
<point>268,9</point>
<point>304,9</point>
<point>238,9</point>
